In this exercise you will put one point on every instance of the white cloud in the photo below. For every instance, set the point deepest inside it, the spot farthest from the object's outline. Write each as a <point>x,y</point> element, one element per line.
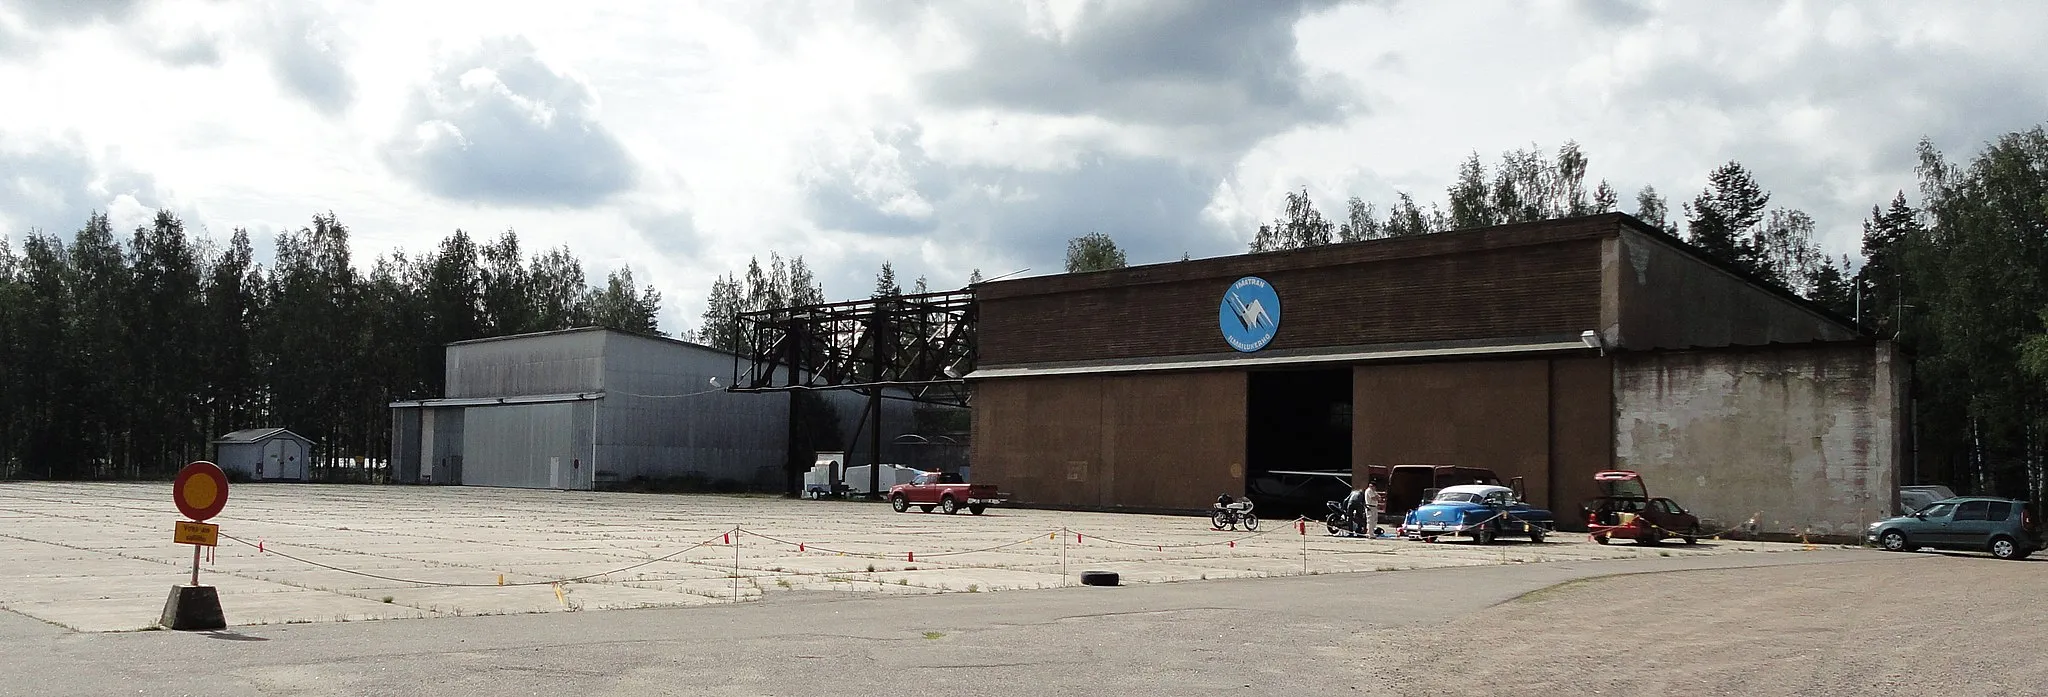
<point>684,138</point>
<point>499,125</point>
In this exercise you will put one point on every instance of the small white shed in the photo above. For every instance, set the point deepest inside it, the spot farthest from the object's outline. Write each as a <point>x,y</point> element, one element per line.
<point>265,454</point>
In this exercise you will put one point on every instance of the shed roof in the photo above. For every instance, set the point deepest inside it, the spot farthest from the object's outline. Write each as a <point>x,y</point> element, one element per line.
<point>257,435</point>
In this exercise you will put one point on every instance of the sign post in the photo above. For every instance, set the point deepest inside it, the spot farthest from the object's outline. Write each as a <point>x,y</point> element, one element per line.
<point>200,492</point>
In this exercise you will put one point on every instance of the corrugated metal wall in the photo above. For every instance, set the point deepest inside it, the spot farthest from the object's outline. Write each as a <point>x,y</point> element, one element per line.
<point>523,445</point>
<point>441,443</point>
<point>660,417</point>
<point>556,363</point>
<point>405,445</point>
<point>647,431</point>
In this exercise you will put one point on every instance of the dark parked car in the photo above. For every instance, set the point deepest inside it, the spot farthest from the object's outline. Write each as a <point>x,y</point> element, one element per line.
<point>2006,528</point>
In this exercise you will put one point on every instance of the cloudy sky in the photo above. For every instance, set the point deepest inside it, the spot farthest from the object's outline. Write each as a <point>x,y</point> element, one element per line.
<point>683,137</point>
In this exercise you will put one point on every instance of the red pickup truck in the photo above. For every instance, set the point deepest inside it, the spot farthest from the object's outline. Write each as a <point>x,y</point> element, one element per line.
<point>945,491</point>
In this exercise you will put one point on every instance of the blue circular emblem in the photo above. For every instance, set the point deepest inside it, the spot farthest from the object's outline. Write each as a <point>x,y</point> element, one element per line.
<point>1250,314</point>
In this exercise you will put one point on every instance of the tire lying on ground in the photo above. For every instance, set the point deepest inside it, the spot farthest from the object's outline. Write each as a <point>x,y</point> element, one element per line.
<point>1099,578</point>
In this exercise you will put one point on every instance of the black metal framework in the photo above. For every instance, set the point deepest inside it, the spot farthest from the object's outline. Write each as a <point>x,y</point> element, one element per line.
<point>919,344</point>
<point>922,345</point>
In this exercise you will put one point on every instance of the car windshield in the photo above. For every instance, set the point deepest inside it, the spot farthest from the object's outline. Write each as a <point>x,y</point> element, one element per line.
<point>1497,498</point>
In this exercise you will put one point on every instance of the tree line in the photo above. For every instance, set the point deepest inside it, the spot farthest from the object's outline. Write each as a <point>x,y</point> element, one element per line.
<point>1959,282</point>
<point>125,358</point>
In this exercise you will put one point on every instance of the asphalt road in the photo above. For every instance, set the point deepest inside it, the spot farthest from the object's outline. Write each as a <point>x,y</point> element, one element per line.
<point>1300,635</point>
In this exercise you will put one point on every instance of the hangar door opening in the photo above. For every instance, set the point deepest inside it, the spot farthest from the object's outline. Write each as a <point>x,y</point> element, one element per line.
<point>1297,437</point>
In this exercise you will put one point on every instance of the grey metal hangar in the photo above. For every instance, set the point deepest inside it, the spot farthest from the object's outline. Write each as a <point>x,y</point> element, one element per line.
<point>1544,351</point>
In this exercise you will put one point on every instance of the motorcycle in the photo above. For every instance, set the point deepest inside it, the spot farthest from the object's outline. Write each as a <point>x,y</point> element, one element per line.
<point>1230,516</point>
<point>1340,520</point>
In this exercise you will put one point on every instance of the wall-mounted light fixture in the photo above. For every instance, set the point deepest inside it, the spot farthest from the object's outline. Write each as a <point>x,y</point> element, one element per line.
<point>1592,340</point>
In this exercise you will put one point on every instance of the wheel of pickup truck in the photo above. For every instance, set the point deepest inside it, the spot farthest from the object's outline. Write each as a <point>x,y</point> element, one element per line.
<point>899,502</point>
<point>949,506</point>
<point>977,508</point>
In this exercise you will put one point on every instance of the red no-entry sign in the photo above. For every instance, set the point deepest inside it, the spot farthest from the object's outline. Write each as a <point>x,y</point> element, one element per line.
<point>200,491</point>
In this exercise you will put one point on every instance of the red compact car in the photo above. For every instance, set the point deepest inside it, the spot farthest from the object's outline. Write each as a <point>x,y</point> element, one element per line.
<point>1625,510</point>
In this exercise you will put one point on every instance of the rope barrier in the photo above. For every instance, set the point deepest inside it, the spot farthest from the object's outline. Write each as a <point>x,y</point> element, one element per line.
<point>805,547</point>
<point>1695,534</point>
<point>1231,542</point>
<point>259,545</point>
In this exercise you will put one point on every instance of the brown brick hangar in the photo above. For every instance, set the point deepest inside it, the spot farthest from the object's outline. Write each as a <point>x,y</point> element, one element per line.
<point>1154,388</point>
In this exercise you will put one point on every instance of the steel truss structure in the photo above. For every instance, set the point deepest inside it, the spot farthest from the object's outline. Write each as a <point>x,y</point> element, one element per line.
<point>921,345</point>
<point>916,347</point>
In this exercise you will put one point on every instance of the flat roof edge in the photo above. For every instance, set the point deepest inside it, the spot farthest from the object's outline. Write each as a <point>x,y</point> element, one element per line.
<point>1275,361</point>
<point>494,401</point>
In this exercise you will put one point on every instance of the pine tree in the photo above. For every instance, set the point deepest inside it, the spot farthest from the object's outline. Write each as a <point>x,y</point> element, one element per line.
<point>885,283</point>
<point>1722,220</point>
<point>1605,199</point>
<point>1883,280</point>
<point>1830,287</point>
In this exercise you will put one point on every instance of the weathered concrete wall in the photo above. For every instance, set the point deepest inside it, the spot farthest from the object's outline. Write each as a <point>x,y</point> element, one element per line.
<point>1805,439</point>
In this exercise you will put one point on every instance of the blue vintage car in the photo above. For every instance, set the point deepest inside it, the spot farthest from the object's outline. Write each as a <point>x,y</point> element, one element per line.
<point>1482,512</point>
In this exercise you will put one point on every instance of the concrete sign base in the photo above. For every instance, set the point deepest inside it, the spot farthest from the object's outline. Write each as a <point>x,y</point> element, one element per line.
<point>193,608</point>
